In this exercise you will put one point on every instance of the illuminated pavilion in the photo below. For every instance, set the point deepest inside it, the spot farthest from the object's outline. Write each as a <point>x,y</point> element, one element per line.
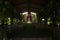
<point>29,20</point>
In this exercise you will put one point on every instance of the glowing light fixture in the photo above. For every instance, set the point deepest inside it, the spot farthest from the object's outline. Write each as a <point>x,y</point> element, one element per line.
<point>49,22</point>
<point>33,13</point>
<point>24,13</point>
<point>43,19</point>
<point>9,21</point>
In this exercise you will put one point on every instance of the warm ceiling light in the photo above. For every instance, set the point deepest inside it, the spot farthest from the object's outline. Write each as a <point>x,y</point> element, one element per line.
<point>33,13</point>
<point>24,13</point>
